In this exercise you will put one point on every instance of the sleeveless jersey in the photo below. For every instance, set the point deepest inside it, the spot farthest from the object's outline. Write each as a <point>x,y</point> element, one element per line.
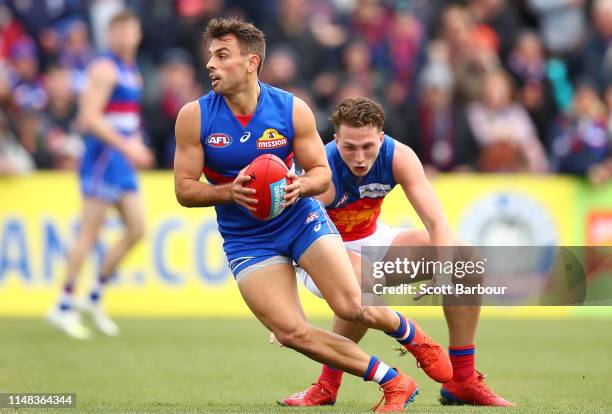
<point>229,147</point>
<point>356,205</point>
<point>123,108</point>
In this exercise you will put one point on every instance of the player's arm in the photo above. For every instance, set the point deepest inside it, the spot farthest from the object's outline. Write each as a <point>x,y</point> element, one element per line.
<point>100,81</point>
<point>310,153</point>
<point>408,172</point>
<point>188,164</point>
<point>327,197</point>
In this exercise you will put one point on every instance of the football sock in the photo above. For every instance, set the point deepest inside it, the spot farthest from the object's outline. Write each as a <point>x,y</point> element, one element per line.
<point>462,358</point>
<point>405,332</point>
<point>379,372</point>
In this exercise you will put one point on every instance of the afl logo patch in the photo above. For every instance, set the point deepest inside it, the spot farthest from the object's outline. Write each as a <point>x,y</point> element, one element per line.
<point>271,139</point>
<point>218,140</point>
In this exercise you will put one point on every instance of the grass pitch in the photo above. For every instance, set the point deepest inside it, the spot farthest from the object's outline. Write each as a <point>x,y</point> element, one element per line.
<point>223,366</point>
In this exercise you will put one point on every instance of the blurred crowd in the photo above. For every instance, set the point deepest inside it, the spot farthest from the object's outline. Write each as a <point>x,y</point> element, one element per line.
<point>474,85</point>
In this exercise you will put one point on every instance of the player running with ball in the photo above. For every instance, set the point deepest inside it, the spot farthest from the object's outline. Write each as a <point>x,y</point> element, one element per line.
<point>366,164</point>
<point>220,135</point>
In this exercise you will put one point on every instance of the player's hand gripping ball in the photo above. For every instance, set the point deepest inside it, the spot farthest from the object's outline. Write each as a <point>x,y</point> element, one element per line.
<point>269,178</point>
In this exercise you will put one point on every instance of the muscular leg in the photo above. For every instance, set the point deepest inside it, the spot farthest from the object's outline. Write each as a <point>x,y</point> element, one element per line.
<point>271,294</point>
<point>330,268</point>
<point>351,330</point>
<point>131,211</point>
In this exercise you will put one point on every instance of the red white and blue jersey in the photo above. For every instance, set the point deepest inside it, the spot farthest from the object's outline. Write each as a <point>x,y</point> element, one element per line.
<point>358,200</point>
<point>105,172</point>
<point>123,108</point>
<point>229,147</point>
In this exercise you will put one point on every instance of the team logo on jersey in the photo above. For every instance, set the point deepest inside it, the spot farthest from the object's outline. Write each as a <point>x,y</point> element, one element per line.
<point>374,190</point>
<point>312,217</point>
<point>271,139</point>
<point>342,200</point>
<point>218,140</point>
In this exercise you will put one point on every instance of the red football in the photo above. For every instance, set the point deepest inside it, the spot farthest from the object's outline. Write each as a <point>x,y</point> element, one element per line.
<point>269,178</point>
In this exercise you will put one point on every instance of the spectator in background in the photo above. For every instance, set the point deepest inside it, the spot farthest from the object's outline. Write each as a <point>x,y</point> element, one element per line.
<point>370,21</point>
<point>177,85</point>
<point>580,138</point>
<point>473,51</point>
<point>193,16</point>
<point>439,132</point>
<point>293,31</point>
<point>59,120</point>
<point>7,101</point>
<point>357,67</point>
<point>597,53</point>
<point>14,159</point>
<point>28,90</point>
<point>528,64</point>
<point>500,16</point>
<point>281,70</point>
<point>30,131</point>
<point>405,39</point>
<point>11,30</point>
<point>76,51</point>
<point>562,26</point>
<point>506,135</point>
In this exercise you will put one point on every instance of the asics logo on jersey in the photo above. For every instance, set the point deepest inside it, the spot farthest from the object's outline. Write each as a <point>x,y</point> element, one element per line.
<point>317,227</point>
<point>271,139</point>
<point>245,137</point>
<point>374,190</point>
<point>218,140</point>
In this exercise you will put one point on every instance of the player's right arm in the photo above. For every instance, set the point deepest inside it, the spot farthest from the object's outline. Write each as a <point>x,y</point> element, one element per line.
<point>188,165</point>
<point>101,79</point>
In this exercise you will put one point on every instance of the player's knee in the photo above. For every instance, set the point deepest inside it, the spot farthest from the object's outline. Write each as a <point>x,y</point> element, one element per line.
<point>136,232</point>
<point>295,337</point>
<point>349,309</point>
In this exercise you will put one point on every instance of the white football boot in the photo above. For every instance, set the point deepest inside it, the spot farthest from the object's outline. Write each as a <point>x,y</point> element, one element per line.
<point>98,316</point>
<point>69,321</point>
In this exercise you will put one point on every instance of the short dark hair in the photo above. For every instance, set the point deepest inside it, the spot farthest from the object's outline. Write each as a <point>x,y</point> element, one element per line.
<point>250,38</point>
<point>358,112</point>
<point>123,16</point>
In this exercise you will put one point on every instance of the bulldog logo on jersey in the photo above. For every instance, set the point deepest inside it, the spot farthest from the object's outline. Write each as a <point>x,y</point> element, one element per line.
<point>271,139</point>
<point>218,140</point>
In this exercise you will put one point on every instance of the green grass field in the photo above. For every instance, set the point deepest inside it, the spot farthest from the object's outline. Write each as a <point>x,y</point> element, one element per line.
<point>189,366</point>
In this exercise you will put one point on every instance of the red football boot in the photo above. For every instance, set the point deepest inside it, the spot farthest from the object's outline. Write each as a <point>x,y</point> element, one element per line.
<point>472,391</point>
<point>319,393</point>
<point>430,356</point>
<point>398,393</point>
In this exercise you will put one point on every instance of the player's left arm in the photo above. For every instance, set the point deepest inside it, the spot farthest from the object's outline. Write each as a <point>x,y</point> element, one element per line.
<point>408,172</point>
<point>309,151</point>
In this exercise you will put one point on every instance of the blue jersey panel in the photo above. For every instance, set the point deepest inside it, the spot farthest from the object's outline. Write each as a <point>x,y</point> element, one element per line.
<point>229,147</point>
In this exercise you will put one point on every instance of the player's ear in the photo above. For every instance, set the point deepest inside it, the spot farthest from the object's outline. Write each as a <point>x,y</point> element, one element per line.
<point>253,63</point>
<point>336,137</point>
<point>382,135</point>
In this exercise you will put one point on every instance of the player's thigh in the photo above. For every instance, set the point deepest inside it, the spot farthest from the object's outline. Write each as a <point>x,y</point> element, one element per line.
<point>93,216</point>
<point>329,266</point>
<point>311,285</point>
<point>131,210</point>
<point>271,294</point>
